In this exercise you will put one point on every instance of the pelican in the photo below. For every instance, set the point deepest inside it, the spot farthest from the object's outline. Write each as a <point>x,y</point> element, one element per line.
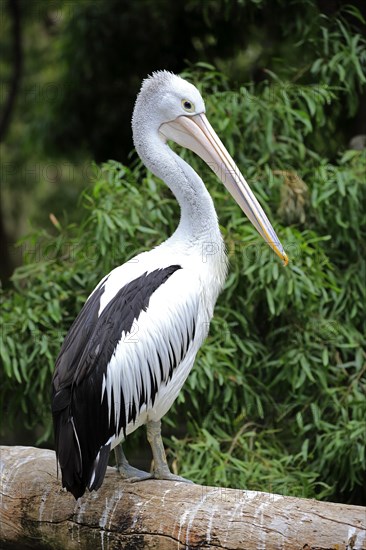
<point>134,342</point>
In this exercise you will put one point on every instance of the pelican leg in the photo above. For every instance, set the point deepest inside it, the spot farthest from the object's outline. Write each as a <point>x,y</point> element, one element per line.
<point>125,470</point>
<point>161,468</point>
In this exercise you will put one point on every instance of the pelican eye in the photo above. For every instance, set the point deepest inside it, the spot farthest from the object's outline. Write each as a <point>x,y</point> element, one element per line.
<point>187,105</point>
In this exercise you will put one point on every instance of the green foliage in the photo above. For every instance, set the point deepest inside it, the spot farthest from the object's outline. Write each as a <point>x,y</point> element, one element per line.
<point>276,400</point>
<point>77,85</point>
<point>342,59</point>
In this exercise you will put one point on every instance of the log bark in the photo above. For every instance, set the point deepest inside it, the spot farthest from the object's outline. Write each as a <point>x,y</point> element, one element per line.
<point>36,513</point>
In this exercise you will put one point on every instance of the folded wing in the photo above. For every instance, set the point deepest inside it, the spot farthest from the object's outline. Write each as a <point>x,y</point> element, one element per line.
<point>115,358</point>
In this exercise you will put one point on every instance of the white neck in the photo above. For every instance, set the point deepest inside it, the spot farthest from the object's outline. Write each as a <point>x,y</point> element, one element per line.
<point>198,221</point>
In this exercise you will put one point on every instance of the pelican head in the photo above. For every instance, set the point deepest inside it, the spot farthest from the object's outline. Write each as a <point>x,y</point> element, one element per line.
<point>175,111</point>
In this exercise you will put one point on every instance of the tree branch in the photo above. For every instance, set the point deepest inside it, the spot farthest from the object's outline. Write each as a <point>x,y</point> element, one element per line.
<point>5,118</point>
<point>36,513</point>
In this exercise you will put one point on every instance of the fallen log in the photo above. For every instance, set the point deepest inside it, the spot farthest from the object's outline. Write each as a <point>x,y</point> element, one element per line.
<point>35,512</point>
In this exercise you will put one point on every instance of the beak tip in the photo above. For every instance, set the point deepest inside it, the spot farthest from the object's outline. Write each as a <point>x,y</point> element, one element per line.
<point>285,259</point>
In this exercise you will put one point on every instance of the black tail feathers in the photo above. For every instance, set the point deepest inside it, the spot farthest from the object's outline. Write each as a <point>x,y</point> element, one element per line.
<point>80,467</point>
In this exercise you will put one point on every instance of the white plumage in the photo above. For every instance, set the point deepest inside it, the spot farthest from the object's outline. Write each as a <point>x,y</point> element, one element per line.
<point>169,318</point>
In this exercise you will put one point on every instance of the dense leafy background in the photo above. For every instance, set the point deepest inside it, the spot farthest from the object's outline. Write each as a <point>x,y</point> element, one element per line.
<point>276,400</point>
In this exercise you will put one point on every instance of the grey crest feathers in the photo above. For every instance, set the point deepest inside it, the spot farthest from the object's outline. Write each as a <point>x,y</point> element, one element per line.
<point>151,86</point>
<point>157,81</point>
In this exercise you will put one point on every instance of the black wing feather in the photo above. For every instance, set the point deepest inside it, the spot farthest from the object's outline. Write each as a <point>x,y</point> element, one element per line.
<point>81,421</point>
